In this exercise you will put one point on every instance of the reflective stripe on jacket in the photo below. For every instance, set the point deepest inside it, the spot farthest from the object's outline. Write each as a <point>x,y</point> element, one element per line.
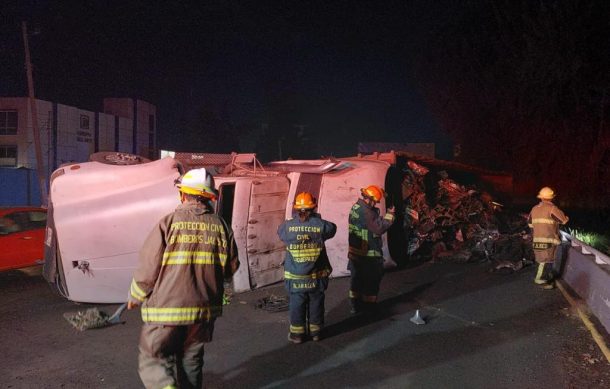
<point>545,219</point>
<point>365,229</point>
<point>306,257</point>
<point>182,266</point>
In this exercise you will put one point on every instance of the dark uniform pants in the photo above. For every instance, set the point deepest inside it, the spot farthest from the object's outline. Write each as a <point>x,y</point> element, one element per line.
<point>307,310</point>
<point>172,356</point>
<point>365,278</point>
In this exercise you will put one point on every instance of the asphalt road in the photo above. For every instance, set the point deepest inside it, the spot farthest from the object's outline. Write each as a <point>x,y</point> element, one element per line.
<point>483,331</point>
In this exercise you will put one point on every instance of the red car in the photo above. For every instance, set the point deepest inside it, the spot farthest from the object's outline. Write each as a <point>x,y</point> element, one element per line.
<point>21,236</point>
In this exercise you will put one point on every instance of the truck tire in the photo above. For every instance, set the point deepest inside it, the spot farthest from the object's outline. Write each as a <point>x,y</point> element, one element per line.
<point>117,158</point>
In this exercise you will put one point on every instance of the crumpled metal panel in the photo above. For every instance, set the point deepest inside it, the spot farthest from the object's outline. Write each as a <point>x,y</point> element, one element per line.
<point>102,214</point>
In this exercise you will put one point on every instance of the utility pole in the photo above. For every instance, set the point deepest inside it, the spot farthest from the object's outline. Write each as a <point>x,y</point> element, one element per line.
<point>34,111</point>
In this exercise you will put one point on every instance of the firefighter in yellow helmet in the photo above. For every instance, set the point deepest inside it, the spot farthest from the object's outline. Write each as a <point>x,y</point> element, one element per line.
<point>545,219</point>
<point>306,267</point>
<point>366,226</point>
<point>179,284</point>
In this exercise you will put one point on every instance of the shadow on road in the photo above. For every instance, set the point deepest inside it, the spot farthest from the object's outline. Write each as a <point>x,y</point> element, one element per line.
<point>383,311</point>
<point>357,351</point>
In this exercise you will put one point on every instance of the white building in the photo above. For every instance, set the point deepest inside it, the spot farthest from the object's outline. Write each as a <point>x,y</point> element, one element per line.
<point>70,134</point>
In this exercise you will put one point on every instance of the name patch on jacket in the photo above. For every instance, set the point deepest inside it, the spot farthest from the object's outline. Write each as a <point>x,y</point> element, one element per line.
<point>303,285</point>
<point>541,245</point>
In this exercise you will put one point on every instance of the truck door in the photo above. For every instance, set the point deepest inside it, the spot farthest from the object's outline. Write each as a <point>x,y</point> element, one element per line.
<point>265,250</point>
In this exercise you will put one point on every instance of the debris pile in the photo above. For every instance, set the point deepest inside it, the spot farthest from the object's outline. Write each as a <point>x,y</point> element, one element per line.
<point>273,303</point>
<point>446,220</point>
<point>94,318</point>
<point>89,319</point>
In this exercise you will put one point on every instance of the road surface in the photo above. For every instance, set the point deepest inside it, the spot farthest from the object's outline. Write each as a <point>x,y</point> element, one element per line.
<point>483,331</point>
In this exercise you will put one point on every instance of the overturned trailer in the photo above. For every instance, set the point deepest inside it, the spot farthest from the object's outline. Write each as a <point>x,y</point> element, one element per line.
<point>101,211</point>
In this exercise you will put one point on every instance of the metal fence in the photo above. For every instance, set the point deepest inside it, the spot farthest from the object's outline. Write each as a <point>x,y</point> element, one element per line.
<point>19,186</point>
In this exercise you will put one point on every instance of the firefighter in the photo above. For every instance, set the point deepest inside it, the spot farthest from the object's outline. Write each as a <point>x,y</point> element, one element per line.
<point>179,284</point>
<point>365,248</point>
<point>545,219</point>
<point>306,267</point>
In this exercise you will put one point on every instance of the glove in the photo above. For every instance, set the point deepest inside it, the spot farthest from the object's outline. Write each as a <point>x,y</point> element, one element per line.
<point>132,304</point>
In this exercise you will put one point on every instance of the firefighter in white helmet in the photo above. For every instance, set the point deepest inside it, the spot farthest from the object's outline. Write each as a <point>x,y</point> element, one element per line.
<point>545,219</point>
<point>179,284</point>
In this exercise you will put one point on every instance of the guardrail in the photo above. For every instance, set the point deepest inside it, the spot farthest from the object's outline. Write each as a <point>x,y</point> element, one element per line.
<point>600,258</point>
<point>587,272</point>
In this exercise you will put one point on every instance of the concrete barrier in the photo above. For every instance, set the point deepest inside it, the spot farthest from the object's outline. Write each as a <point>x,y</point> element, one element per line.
<point>587,272</point>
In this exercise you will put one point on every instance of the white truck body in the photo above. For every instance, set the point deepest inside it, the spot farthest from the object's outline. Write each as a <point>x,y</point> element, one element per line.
<point>100,215</point>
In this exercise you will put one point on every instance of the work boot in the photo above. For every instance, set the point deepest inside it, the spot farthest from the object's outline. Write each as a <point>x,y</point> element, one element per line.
<point>354,306</point>
<point>294,338</point>
<point>316,337</point>
<point>548,286</point>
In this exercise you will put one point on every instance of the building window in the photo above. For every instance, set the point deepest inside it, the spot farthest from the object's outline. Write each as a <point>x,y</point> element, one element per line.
<point>8,122</point>
<point>84,122</point>
<point>8,155</point>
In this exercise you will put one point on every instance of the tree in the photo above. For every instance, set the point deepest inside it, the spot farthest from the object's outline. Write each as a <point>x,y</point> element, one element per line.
<point>521,86</point>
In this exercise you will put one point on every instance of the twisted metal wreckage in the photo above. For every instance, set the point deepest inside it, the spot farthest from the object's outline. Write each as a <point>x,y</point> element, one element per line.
<point>101,211</point>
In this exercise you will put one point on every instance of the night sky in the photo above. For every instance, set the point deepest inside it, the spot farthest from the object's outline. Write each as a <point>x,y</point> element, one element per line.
<point>343,69</point>
<point>518,85</point>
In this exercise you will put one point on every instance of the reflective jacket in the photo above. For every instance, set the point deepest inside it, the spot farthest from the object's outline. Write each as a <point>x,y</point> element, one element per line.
<point>182,266</point>
<point>365,229</point>
<point>545,219</point>
<point>306,259</point>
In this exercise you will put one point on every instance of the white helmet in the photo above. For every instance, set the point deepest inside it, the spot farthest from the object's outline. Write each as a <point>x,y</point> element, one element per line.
<point>199,183</point>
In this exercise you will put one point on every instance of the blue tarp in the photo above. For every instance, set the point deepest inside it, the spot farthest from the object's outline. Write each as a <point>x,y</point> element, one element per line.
<point>19,186</point>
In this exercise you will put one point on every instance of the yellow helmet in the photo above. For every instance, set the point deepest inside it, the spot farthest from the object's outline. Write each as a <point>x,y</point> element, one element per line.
<point>546,193</point>
<point>373,191</point>
<point>304,201</point>
<point>198,182</point>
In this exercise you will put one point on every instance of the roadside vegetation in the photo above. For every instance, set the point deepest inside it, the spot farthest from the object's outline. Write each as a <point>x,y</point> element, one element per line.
<point>598,241</point>
<point>591,227</point>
